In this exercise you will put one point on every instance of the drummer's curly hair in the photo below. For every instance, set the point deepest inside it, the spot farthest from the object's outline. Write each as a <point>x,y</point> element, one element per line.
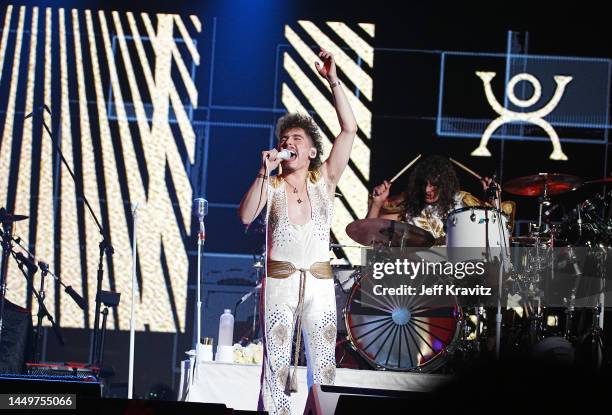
<point>439,171</point>
<point>306,123</point>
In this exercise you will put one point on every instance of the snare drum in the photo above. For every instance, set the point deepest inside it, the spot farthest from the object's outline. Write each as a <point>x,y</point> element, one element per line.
<point>467,228</point>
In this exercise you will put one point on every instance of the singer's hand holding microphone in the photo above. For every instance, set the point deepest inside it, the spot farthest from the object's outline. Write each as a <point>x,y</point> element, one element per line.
<point>275,157</point>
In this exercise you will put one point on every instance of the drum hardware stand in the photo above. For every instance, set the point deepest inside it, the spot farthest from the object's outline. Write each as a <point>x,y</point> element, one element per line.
<point>258,265</point>
<point>571,303</point>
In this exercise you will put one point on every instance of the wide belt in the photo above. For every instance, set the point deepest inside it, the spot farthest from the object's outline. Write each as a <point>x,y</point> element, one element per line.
<point>284,269</point>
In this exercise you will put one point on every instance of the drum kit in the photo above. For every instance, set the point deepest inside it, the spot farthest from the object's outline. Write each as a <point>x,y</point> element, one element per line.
<point>409,333</point>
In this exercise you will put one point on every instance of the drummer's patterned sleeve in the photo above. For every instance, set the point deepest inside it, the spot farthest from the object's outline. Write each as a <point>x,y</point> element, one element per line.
<point>509,208</point>
<point>430,222</point>
<point>394,205</point>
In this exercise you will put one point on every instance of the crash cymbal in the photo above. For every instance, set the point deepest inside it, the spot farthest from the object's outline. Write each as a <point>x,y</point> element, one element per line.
<point>534,185</point>
<point>391,232</point>
<point>600,181</point>
<point>6,217</point>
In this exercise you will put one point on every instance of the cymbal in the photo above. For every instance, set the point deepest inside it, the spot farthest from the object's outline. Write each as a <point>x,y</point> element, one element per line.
<point>394,233</point>
<point>533,240</point>
<point>555,183</point>
<point>6,217</point>
<point>600,181</point>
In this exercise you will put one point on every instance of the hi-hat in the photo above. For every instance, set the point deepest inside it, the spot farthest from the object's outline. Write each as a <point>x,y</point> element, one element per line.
<point>388,232</point>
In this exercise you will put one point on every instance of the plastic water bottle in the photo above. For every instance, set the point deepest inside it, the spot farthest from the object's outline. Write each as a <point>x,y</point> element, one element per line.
<point>226,328</point>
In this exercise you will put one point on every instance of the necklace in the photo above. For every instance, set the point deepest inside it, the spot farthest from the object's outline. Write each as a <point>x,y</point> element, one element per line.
<point>295,190</point>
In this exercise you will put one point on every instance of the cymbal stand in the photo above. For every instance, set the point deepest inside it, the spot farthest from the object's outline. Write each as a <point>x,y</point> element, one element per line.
<point>597,340</point>
<point>536,323</point>
<point>258,273</point>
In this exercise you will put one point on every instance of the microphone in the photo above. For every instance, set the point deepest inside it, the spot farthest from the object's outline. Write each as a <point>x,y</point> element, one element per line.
<point>31,266</point>
<point>491,192</point>
<point>550,210</point>
<point>200,209</point>
<point>247,295</point>
<point>285,154</point>
<point>77,298</point>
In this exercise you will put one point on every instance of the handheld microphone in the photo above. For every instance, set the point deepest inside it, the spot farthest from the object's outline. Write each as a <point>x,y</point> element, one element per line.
<point>285,154</point>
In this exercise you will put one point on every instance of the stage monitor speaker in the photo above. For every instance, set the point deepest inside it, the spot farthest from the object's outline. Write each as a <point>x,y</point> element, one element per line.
<point>108,406</point>
<point>32,384</point>
<point>16,339</point>
<point>326,400</point>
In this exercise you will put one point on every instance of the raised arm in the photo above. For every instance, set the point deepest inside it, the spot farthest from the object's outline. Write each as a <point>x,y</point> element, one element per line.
<point>343,144</point>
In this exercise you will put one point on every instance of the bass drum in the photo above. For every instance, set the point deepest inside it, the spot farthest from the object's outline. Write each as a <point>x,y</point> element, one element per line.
<point>402,333</point>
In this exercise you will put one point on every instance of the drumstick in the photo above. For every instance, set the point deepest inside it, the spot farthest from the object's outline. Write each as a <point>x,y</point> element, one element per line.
<point>472,172</point>
<point>405,168</point>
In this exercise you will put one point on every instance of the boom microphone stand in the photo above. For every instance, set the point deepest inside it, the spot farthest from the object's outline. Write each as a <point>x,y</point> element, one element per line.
<point>105,245</point>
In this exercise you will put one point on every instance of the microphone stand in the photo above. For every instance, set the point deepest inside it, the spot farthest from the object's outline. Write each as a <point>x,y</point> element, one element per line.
<point>41,311</point>
<point>6,251</point>
<point>105,246</point>
<point>200,210</point>
<point>492,196</point>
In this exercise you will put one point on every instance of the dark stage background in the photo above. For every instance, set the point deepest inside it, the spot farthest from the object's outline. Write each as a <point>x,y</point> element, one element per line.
<point>238,85</point>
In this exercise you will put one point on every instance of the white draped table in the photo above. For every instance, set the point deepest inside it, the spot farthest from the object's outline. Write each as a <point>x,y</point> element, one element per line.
<point>237,385</point>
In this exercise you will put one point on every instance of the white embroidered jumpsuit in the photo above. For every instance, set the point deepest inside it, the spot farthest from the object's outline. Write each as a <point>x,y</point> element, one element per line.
<point>302,245</point>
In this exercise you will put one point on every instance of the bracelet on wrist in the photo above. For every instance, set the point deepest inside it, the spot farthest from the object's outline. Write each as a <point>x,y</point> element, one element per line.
<point>261,176</point>
<point>335,84</point>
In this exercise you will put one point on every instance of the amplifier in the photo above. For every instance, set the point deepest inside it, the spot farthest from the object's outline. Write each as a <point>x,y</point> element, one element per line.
<point>32,384</point>
<point>81,371</point>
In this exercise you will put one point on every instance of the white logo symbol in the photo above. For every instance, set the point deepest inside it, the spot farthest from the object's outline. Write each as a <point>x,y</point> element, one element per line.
<point>534,117</point>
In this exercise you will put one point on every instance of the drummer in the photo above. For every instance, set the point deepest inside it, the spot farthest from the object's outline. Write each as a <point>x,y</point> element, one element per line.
<point>432,192</point>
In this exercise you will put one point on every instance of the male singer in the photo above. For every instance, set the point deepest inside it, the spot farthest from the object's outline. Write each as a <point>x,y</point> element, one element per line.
<point>299,288</point>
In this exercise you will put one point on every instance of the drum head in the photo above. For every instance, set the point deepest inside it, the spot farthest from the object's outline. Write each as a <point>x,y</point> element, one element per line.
<point>403,333</point>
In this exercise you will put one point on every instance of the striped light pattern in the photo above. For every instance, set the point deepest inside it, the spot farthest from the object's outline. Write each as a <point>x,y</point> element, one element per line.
<point>119,86</point>
<point>307,92</point>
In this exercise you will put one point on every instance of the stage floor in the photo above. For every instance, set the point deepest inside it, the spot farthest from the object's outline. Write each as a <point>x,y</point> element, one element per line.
<point>237,385</point>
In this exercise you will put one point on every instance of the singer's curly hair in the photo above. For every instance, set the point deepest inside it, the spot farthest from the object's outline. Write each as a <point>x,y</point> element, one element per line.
<point>306,123</point>
<point>438,171</point>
